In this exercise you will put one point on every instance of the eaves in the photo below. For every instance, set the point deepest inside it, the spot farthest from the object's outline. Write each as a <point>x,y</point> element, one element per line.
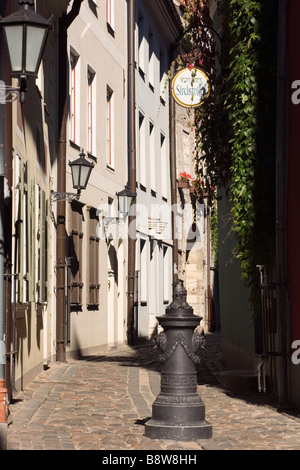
<point>55,7</point>
<point>167,19</point>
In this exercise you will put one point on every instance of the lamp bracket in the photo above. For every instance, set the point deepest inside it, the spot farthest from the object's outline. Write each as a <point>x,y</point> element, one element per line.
<point>58,196</point>
<point>114,220</point>
<point>8,94</point>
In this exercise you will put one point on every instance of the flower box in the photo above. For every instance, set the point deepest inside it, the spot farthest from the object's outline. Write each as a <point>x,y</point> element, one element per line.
<point>183,184</point>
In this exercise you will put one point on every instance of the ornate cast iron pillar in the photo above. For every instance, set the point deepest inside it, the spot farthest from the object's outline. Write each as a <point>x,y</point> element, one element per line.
<point>178,412</point>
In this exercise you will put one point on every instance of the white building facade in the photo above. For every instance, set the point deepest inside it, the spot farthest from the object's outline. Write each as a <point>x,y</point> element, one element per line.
<point>157,28</point>
<point>97,123</point>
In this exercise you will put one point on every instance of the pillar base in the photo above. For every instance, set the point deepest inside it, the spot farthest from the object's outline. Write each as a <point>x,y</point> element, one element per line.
<point>179,432</point>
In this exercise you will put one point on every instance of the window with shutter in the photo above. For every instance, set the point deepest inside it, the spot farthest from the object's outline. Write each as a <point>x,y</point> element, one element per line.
<point>75,253</point>
<point>42,250</point>
<point>93,260</point>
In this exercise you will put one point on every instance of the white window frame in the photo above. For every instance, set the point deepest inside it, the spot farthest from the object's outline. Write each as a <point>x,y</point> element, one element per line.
<point>91,111</point>
<point>110,12</point>
<point>142,149</point>
<point>141,42</point>
<point>152,161</point>
<point>144,256</point>
<point>151,59</point>
<point>163,163</point>
<point>74,97</point>
<point>110,127</point>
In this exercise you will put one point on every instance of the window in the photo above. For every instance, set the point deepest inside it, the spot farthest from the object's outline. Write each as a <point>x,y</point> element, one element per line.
<point>40,245</point>
<point>20,129</point>
<point>163,165</point>
<point>162,75</point>
<point>143,271</point>
<point>30,237</point>
<point>91,111</point>
<point>75,253</point>
<point>93,260</point>
<point>142,149</point>
<point>110,13</point>
<point>151,60</point>
<point>166,273</point>
<point>74,98</point>
<point>152,156</point>
<point>21,228</point>
<point>186,154</point>
<point>40,149</point>
<point>141,44</point>
<point>109,128</point>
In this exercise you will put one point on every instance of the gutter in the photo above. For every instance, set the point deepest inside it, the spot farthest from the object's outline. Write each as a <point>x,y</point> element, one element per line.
<point>61,234</point>
<point>281,191</point>
<point>132,171</point>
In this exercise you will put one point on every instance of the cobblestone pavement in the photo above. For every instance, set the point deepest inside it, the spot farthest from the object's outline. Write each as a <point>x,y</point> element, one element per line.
<point>102,403</point>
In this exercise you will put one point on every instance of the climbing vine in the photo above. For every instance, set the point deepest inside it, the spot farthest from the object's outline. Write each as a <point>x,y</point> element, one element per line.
<point>235,127</point>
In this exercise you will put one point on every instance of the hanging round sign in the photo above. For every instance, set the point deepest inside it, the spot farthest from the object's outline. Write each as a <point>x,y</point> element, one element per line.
<point>190,87</point>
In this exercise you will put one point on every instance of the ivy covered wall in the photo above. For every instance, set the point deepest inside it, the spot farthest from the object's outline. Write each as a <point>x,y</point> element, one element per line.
<point>236,147</point>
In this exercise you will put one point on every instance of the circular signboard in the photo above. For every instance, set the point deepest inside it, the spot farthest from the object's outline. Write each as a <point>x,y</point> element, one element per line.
<point>190,87</point>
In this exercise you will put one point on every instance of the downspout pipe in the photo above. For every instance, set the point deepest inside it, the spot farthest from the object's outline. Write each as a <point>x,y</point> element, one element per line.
<point>61,234</point>
<point>173,170</point>
<point>132,172</point>
<point>2,177</point>
<point>281,190</point>
<point>61,187</point>
<point>5,215</point>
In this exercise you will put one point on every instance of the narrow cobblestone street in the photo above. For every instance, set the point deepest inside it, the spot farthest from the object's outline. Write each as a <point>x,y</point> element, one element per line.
<point>102,403</point>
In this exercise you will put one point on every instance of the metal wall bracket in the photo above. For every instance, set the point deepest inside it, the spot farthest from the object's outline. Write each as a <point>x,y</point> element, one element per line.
<point>8,94</point>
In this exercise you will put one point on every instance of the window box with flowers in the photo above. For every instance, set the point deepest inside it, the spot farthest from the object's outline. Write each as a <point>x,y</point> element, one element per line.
<point>201,187</point>
<point>184,180</point>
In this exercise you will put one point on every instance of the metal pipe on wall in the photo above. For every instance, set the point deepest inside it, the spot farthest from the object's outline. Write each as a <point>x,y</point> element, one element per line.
<point>6,214</point>
<point>173,185</point>
<point>61,234</point>
<point>281,190</point>
<point>132,171</point>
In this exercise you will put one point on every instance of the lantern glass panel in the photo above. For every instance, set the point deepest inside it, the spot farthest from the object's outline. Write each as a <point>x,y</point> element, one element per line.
<point>75,175</point>
<point>123,204</point>
<point>84,176</point>
<point>14,38</point>
<point>35,40</point>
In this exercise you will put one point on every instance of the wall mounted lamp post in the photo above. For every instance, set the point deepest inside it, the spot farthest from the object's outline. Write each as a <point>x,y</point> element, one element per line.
<point>125,198</point>
<point>81,171</point>
<point>25,34</point>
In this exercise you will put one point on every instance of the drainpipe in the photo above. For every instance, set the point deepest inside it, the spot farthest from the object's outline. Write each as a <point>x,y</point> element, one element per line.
<point>2,177</point>
<point>5,241</point>
<point>61,234</point>
<point>173,184</point>
<point>208,266</point>
<point>132,172</point>
<point>281,190</point>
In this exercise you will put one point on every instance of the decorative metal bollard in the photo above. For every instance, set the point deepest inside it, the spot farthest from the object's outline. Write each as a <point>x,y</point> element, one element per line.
<point>178,412</point>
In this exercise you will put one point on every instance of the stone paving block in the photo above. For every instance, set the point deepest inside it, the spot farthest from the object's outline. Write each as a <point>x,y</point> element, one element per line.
<point>103,404</point>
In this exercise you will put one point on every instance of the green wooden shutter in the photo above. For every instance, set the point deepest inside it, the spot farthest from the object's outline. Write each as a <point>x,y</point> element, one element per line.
<point>42,250</point>
<point>21,216</point>
<point>31,241</point>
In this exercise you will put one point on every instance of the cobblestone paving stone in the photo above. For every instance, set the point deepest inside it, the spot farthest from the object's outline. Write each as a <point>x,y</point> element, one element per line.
<point>102,403</point>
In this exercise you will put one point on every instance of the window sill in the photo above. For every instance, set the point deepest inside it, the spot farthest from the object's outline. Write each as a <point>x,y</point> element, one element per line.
<point>74,145</point>
<point>142,73</point>
<point>110,168</point>
<point>92,157</point>
<point>110,30</point>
